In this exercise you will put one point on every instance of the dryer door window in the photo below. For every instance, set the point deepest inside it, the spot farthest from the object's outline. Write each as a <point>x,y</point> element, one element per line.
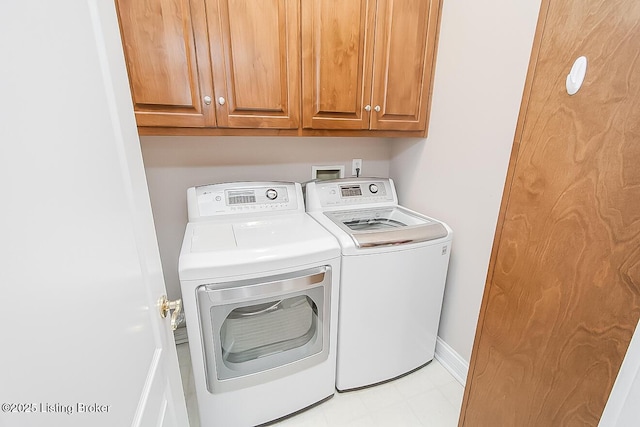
<point>256,330</point>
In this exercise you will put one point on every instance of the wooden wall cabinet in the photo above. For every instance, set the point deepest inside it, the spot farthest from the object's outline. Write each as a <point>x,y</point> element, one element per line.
<point>166,50</point>
<point>255,49</point>
<point>202,63</point>
<point>368,64</point>
<point>236,64</point>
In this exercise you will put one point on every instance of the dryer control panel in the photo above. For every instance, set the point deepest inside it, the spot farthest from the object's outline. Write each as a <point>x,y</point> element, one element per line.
<point>243,198</point>
<point>349,192</point>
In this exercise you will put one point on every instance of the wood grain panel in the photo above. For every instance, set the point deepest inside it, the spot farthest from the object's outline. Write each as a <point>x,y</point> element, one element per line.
<point>563,290</point>
<point>337,49</point>
<point>340,45</point>
<point>259,54</point>
<point>255,51</point>
<point>165,45</point>
<point>404,56</point>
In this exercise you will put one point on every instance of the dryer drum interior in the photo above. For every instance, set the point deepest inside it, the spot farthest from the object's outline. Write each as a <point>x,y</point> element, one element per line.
<point>259,330</point>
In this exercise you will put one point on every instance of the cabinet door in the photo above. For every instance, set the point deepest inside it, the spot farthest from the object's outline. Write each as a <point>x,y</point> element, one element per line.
<point>404,55</point>
<point>165,45</point>
<point>337,49</point>
<point>256,62</point>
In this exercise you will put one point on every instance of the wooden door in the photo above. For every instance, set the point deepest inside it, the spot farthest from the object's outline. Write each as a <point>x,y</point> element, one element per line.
<point>255,49</point>
<point>83,341</point>
<point>337,59</point>
<point>563,290</point>
<point>403,66</point>
<point>166,49</point>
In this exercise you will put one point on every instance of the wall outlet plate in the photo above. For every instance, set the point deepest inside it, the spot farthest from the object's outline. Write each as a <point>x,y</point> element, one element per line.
<point>356,167</point>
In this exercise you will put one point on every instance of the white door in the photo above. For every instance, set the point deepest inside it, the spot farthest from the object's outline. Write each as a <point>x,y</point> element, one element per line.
<point>80,274</point>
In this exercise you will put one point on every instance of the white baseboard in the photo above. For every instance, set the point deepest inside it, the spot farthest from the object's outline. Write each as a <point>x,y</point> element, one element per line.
<point>452,361</point>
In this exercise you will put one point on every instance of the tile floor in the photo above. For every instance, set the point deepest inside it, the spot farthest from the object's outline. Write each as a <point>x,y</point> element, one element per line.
<point>428,397</point>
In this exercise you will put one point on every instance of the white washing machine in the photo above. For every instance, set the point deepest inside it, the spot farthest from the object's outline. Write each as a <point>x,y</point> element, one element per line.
<point>259,282</point>
<point>394,266</point>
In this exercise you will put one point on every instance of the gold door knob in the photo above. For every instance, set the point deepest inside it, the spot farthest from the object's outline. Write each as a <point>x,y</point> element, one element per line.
<point>166,306</point>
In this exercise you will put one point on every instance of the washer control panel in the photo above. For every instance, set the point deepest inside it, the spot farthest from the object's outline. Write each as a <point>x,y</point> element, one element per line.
<point>352,192</point>
<point>238,198</point>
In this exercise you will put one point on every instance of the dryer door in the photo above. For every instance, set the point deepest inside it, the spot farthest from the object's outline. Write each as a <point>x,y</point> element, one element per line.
<point>258,330</point>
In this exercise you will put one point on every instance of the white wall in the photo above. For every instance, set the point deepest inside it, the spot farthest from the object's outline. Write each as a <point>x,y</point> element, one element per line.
<point>457,174</point>
<point>173,164</point>
<point>622,407</point>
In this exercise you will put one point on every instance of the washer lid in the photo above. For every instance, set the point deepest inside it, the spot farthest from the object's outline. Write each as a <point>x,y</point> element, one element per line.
<point>386,226</point>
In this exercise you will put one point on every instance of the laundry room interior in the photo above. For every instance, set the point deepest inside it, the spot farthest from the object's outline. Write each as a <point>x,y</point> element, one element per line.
<point>534,178</point>
<point>457,174</point>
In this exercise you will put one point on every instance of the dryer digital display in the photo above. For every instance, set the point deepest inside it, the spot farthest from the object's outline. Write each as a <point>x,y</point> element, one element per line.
<point>239,197</point>
<point>351,191</point>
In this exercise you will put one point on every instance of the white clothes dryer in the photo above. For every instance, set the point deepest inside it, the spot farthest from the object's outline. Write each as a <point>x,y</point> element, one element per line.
<point>394,266</point>
<point>259,281</point>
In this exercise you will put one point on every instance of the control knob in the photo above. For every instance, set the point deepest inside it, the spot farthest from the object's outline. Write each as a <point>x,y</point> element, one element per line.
<point>373,188</point>
<point>271,194</point>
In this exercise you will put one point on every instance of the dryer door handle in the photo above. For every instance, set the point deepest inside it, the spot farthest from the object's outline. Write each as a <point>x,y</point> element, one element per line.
<point>253,289</point>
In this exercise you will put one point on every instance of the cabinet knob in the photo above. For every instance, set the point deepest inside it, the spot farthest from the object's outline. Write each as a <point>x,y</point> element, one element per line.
<point>367,108</point>
<point>377,108</point>
<point>221,101</point>
<point>207,100</point>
